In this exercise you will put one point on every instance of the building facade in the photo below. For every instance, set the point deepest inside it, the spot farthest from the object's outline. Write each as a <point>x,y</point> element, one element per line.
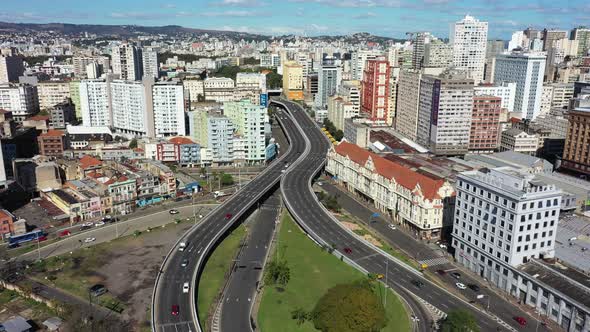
<point>21,99</point>
<point>485,124</point>
<point>469,38</point>
<point>375,90</point>
<point>408,97</point>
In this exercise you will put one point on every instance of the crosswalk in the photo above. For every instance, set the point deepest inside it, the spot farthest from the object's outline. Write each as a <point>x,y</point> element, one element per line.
<point>434,261</point>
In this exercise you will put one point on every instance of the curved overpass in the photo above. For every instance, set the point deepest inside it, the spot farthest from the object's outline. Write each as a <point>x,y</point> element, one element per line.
<point>202,239</point>
<point>319,223</point>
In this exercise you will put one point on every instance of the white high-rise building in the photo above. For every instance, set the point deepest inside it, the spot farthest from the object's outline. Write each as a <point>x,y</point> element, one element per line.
<point>127,62</point>
<point>129,107</point>
<point>21,99</point>
<point>503,217</point>
<point>95,104</point>
<point>149,58</point>
<point>526,70</point>
<point>359,60</point>
<point>506,91</point>
<point>329,78</point>
<point>469,38</point>
<point>168,109</point>
<point>518,40</point>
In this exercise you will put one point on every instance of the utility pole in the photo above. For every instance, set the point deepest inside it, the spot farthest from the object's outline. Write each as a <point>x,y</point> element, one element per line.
<point>386,278</point>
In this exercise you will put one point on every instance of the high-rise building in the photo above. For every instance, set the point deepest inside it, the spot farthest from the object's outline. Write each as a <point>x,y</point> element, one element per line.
<point>129,109</point>
<point>151,66</point>
<point>351,92</point>
<point>329,78</point>
<point>75,97</point>
<point>438,54</point>
<point>81,64</point>
<point>549,36</point>
<point>517,41</point>
<point>504,217</point>
<point>11,67</point>
<point>21,99</point>
<point>220,137</point>
<point>485,124</point>
<point>339,109</point>
<point>408,96</point>
<point>95,106</point>
<point>293,80</point>
<point>576,154</point>
<point>167,103</point>
<point>493,48</point>
<point>562,94</point>
<point>375,90</point>
<point>249,121</point>
<point>127,62</point>
<point>469,38</point>
<point>52,93</point>
<point>421,39</point>
<point>444,113</point>
<point>526,70</point>
<point>582,35</point>
<point>359,60</point>
<point>505,91</point>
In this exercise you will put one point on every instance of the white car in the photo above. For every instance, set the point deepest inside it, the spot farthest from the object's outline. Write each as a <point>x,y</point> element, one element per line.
<point>185,287</point>
<point>88,224</point>
<point>391,226</point>
<point>89,239</point>
<point>460,286</point>
<point>98,224</point>
<point>173,211</point>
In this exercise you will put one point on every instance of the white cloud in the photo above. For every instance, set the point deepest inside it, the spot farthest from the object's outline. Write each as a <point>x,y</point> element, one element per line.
<point>365,16</point>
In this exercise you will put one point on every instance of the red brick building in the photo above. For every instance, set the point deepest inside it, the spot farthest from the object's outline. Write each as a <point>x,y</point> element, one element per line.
<point>375,90</point>
<point>485,124</point>
<point>52,143</point>
<point>6,224</point>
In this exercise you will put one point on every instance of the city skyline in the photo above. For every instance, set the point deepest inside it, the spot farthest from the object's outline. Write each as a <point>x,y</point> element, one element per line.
<point>389,18</point>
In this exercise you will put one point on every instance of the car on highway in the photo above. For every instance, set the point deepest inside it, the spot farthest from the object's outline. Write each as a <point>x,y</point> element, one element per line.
<point>182,246</point>
<point>391,226</point>
<point>461,286</point>
<point>84,227</point>
<point>473,287</point>
<point>173,211</point>
<point>89,239</point>
<point>99,223</point>
<point>520,320</point>
<point>347,250</point>
<point>456,275</point>
<point>185,287</point>
<point>175,310</point>
<point>417,283</point>
<point>228,216</point>
<point>380,276</point>
<point>184,262</point>
<point>65,233</point>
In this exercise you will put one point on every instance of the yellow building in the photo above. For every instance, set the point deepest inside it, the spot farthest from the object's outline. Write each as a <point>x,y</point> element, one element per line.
<point>293,80</point>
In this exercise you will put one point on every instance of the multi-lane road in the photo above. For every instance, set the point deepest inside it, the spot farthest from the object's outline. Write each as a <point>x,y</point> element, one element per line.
<point>201,239</point>
<point>322,226</point>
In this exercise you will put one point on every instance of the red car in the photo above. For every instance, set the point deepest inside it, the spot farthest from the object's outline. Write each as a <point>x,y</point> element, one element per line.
<point>347,250</point>
<point>520,320</point>
<point>228,216</point>
<point>175,310</point>
<point>65,233</point>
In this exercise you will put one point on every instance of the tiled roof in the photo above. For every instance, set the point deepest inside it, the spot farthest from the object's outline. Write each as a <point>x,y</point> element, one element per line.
<point>89,161</point>
<point>39,118</point>
<point>390,170</point>
<point>53,133</point>
<point>180,140</point>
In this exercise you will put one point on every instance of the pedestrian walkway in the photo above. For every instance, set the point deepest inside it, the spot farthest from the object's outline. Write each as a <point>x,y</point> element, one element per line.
<point>434,261</point>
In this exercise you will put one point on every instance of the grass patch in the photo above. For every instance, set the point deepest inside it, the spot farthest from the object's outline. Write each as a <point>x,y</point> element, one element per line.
<point>7,295</point>
<point>313,272</point>
<point>215,271</point>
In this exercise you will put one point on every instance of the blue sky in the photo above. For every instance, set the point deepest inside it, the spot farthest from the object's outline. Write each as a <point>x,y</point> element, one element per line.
<point>312,17</point>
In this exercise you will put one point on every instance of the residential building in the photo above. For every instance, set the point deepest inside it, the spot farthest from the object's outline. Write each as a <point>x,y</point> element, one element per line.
<point>249,121</point>
<point>220,134</point>
<point>519,141</point>
<point>408,96</point>
<point>438,54</point>
<point>293,80</point>
<point>485,124</point>
<point>339,110</point>
<point>351,92</point>
<point>61,114</point>
<point>218,83</point>
<point>444,116</point>
<point>21,99</point>
<point>359,60</point>
<point>195,89</point>
<point>421,39</point>
<point>52,143</point>
<point>576,155</point>
<point>546,99</point>
<point>357,132</point>
<point>150,64</point>
<point>189,151</point>
<point>127,62</point>
<point>11,68</point>
<point>376,90</point>
<point>123,192</point>
<point>329,78</point>
<point>75,98</point>
<point>52,93</point>
<point>81,64</point>
<point>168,152</point>
<point>505,91</point>
<point>550,36</point>
<point>129,110</point>
<point>582,35</point>
<point>526,70</point>
<point>562,93</point>
<point>168,102</point>
<point>420,202</point>
<point>469,38</point>
<point>7,220</point>
<point>95,106</point>
<point>256,81</point>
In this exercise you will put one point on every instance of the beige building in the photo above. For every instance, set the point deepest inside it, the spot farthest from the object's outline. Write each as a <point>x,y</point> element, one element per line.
<point>52,93</point>
<point>414,200</point>
<point>339,110</point>
<point>293,80</point>
<point>519,141</point>
<point>408,95</point>
<point>195,88</point>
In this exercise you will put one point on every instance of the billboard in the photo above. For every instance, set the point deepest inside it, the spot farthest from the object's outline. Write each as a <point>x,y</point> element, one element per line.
<point>264,99</point>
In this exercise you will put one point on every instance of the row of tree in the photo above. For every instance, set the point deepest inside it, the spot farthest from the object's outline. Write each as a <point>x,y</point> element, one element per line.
<point>336,133</point>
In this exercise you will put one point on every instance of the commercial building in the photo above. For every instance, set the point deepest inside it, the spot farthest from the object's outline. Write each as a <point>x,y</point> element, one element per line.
<point>81,64</point>
<point>526,70</point>
<point>21,99</point>
<point>52,143</point>
<point>561,94</point>
<point>61,114</point>
<point>582,35</point>
<point>505,91</point>
<point>418,201</point>
<point>485,124</point>
<point>408,97</point>
<point>256,81</point>
<point>293,80</point>
<point>7,220</point>
<point>195,89</point>
<point>127,62</point>
<point>550,36</point>
<point>339,110</point>
<point>329,78</point>
<point>469,37</point>
<point>357,132</point>
<point>11,68</point>
<point>519,141</point>
<point>351,92</point>
<point>444,116</point>
<point>376,90</point>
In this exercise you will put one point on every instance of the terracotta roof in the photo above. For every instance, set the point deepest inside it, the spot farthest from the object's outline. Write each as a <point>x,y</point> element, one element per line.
<point>89,161</point>
<point>95,175</point>
<point>404,176</point>
<point>514,120</point>
<point>39,118</point>
<point>116,179</point>
<point>53,132</point>
<point>180,140</point>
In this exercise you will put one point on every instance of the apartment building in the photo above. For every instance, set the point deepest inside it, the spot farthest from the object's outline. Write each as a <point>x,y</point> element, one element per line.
<point>293,80</point>
<point>168,104</point>
<point>485,124</point>
<point>11,67</point>
<point>376,90</point>
<point>21,99</point>
<point>95,105</point>
<point>52,93</point>
<point>127,62</point>
<point>408,97</point>
<point>469,38</point>
<point>52,143</point>
<point>249,121</point>
<point>505,91</point>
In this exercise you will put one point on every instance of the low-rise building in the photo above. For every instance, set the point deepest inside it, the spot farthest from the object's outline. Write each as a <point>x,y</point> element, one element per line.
<point>52,143</point>
<point>7,220</point>
<point>517,140</point>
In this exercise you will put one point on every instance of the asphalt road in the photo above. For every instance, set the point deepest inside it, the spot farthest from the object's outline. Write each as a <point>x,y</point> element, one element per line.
<point>202,238</point>
<point>243,284</point>
<point>301,201</point>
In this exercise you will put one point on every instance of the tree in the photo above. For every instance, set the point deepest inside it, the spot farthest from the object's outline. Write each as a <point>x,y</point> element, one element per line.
<point>459,321</point>
<point>349,308</point>
<point>133,143</point>
<point>299,315</point>
<point>227,179</point>
<point>277,273</point>
<point>274,80</point>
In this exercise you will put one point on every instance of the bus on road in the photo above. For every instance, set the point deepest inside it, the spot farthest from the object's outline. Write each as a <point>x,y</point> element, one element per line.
<point>16,240</point>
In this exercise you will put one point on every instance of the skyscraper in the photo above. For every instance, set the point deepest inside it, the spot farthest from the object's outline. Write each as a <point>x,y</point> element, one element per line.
<point>408,94</point>
<point>469,38</point>
<point>11,67</point>
<point>582,35</point>
<point>149,57</point>
<point>95,106</point>
<point>127,62</point>
<point>549,36</point>
<point>168,108</point>
<point>329,78</point>
<point>485,124</point>
<point>293,80</point>
<point>526,70</point>
<point>421,39</point>
<point>375,90</point>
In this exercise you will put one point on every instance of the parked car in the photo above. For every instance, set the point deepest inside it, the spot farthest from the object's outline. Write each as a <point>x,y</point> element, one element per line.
<point>173,211</point>
<point>473,287</point>
<point>97,290</point>
<point>185,287</point>
<point>461,286</point>
<point>84,227</point>
<point>65,233</point>
<point>380,276</point>
<point>520,320</point>
<point>89,239</point>
<point>417,283</point>
<point>99,223</point>
<point>391,226</point>
<point>456,275</point>
<point>175,310</point>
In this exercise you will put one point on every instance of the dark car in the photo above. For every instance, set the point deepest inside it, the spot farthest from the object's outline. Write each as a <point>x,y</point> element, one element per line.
<point>520,320</point>
<point>474,287</point>
<point>85,227</point>
<point>441,272</point>
<point>175,310</point>
<point>97,290</point>
<point>228,216</point>
<point>347,250</point>
<point>417,283</point>
<point>456,275</point>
